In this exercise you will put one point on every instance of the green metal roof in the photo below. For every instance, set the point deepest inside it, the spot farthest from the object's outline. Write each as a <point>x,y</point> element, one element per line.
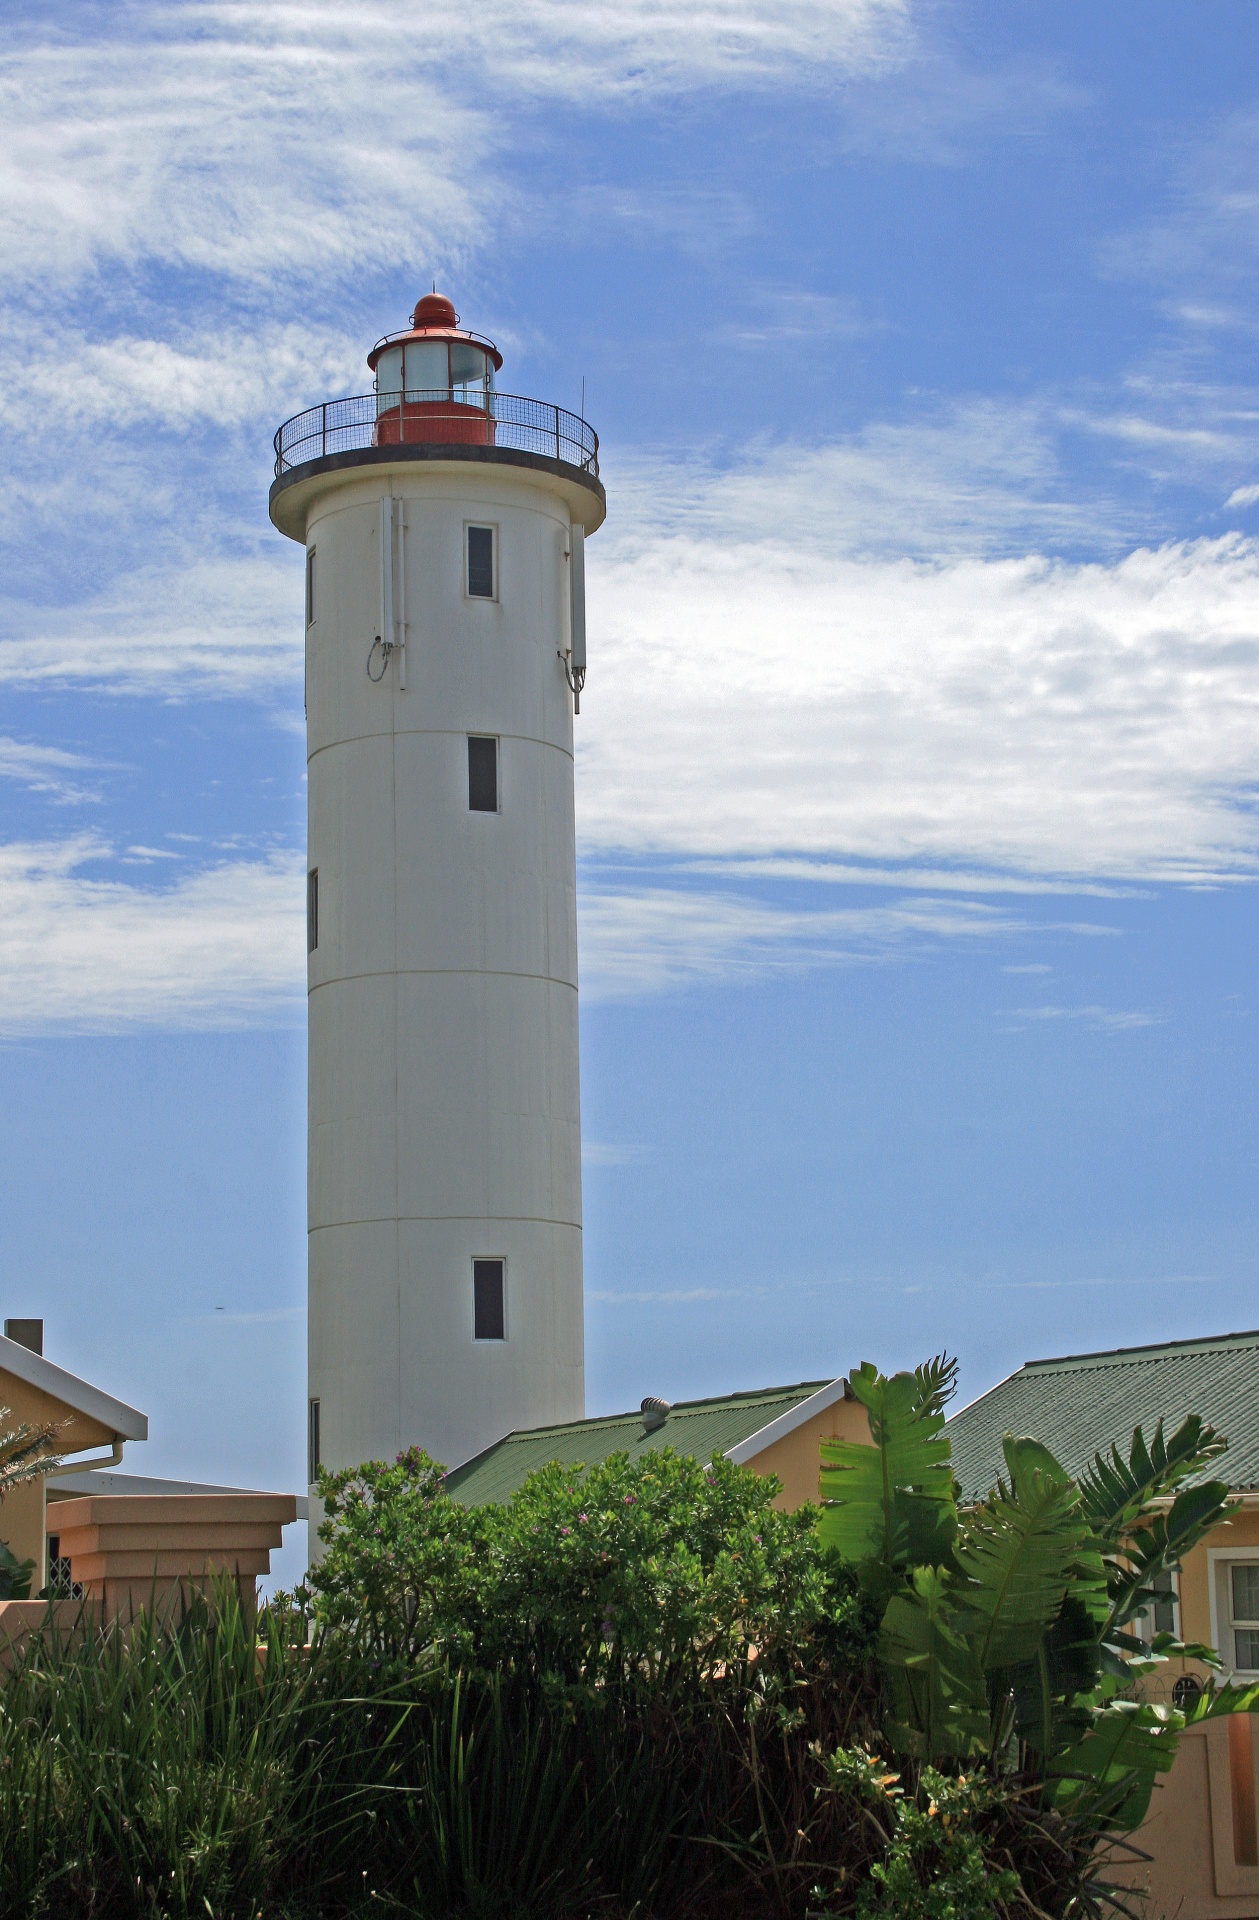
<point>703,1428</point>
<point>1079,1404</point>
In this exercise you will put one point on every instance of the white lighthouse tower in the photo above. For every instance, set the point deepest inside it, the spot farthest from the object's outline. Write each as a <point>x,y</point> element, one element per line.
<point>443,524</point>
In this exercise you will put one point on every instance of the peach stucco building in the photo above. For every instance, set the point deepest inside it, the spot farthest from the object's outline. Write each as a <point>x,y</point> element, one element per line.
<point>120,1540</point>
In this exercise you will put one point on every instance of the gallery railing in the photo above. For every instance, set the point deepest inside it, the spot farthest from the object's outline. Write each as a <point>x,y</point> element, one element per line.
<point>469,416</point>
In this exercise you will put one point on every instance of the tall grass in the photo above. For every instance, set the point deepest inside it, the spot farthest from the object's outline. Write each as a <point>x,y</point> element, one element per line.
<point>197,1766</point>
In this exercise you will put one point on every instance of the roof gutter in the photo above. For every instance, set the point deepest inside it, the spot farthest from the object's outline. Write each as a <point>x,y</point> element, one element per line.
<point>111,1459</point>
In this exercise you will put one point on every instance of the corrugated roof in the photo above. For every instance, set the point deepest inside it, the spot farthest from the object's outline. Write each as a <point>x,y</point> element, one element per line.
<point>1078,1404</point>
<point>703,1428</point>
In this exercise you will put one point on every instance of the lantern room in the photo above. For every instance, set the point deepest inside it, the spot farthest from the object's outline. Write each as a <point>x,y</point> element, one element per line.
<point>436,381</point>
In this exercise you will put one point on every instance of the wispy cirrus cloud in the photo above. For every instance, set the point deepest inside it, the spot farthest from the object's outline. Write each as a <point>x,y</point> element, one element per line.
<point>1097,1019</point>
<point>258,139</point>
<point>81,953</point>
<point>48,770</point>
<point>648,938</point>
<point>197,625</point>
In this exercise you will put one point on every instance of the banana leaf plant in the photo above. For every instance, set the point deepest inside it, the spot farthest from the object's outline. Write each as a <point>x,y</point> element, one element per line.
<point>1010,1627</point>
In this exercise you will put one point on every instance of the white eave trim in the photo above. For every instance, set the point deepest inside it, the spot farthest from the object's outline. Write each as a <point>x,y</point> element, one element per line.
<point>115,1415</point>
<point>787,1422</point>
<point>100,1480</point>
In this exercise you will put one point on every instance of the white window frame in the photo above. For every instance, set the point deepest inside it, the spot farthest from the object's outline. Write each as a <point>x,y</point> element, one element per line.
<point>1219,1559</point>
<point>483,599</point>
<point>310,586</point>
<point>472,1267</point>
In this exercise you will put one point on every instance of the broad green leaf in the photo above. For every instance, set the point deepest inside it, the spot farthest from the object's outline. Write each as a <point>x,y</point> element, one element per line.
<point>1214,1703</point>
<point>893,1502</point>
<point>1022,1552</point>
<point>937,1689</point>
<point>1128,1745</point>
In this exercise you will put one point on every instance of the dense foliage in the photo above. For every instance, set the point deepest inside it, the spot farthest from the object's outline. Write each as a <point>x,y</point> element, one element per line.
<point>635,1691</point>
<point>1009,1629</point>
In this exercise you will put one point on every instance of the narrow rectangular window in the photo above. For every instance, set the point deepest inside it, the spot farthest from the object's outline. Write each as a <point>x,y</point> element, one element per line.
<point>482,774</point>
<point>312,1446</point>
<point>1244,1584</point>
<point>310,586</point>
<point>489,1320</point>
<point>312,910</point>
<point>481,563</point>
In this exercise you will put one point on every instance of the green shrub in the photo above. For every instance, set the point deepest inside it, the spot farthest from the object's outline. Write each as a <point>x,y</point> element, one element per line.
<point>654,1577</point>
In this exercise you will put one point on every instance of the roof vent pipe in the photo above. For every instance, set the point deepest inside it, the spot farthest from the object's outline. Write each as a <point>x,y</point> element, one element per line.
<point>655,1413</point>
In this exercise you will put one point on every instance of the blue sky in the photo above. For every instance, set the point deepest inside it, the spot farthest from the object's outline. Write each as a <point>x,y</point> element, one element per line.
<point>918,765</point>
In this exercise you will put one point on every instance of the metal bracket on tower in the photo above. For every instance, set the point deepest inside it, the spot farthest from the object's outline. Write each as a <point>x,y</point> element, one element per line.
<point>392,637</point>
<point>574,660</point>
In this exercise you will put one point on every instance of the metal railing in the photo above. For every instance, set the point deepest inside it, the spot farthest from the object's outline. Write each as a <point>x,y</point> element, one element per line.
<point>440,419</point>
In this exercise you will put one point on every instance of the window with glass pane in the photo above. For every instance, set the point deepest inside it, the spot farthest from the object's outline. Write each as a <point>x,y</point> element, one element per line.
<point>1244,1581</point>
<point>427,367</point>
<point>482,774</point>
<point>1164,1609</point>
<point>481,563</point>
<point>467,365</point>
<point>489,1319</point>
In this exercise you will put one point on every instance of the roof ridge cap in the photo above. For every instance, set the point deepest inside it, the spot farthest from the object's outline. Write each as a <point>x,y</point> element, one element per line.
<point>1202,1343</point>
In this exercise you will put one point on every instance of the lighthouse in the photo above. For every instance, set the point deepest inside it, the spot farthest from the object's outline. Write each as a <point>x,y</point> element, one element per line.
<point>443,523</point>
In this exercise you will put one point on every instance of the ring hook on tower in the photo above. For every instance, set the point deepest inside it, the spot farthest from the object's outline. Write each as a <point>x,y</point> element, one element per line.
<point>385,651</point>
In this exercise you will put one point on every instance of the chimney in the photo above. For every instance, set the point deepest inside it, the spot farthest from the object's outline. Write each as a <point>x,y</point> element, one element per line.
<point>27,1333</point>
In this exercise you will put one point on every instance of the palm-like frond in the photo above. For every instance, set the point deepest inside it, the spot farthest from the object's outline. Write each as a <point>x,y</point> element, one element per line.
<point>25,1452</point>
<point>893,1502</point>
<point>1158,1545</point>
<point>1022,1552</point>
<point>1118,1492</point>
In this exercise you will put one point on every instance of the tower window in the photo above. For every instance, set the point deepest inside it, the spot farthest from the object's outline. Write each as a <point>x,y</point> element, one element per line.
<point>489,1321</point>
<point>312,910</point>
<point>310,586</point>
<point>312,1445</point>
<point>482,774</point>
<point>480,563</point>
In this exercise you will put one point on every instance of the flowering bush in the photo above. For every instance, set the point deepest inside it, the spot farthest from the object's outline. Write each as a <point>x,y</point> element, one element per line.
<point>658,1574</point>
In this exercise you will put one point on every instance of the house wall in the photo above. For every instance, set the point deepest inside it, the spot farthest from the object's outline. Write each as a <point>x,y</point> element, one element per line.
<point>22,1512</point>
<point>795,1459</point>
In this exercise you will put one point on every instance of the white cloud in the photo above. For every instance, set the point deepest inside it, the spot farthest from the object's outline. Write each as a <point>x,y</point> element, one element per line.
<point>1100,1019</point>
<point>222,377</point>
<point>759,688</point>
<point>219,626</point>
<point>48,770</point>
<point>261,139</point>
<point>221,948</point>
<point>645,939</point>
<point>606,1153</point>
<point>1243,497</point>
<point>249,141</point>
